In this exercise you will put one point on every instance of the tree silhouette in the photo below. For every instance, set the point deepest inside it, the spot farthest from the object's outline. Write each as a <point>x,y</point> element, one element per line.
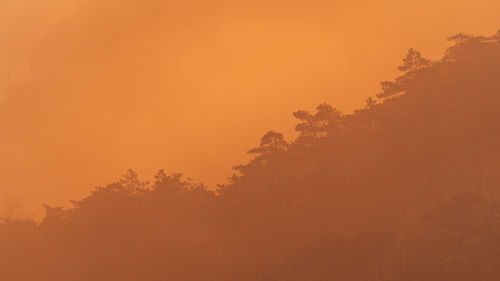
<point>325,122</point>
<point>414,61</point>
<point>130,181</point>
<point>271,142</point>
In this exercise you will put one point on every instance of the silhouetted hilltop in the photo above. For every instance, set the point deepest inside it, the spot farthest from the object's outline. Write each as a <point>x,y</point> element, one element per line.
<point>406,188</point>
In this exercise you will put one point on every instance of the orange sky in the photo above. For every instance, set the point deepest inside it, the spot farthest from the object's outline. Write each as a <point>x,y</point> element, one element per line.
<point>188,86</point>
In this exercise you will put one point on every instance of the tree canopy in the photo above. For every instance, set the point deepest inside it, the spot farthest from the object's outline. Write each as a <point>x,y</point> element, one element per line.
<point>405,188</point>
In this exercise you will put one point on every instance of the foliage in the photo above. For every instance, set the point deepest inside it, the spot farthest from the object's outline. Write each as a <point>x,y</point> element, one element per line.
<point>405,188</point>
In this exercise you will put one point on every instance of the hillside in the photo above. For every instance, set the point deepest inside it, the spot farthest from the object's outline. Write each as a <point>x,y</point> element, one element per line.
<point>406,188</point>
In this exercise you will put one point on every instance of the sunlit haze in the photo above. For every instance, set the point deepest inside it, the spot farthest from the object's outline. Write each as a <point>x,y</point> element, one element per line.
<point>89,89</point>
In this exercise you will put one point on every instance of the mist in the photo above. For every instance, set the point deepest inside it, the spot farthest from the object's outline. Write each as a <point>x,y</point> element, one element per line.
<point>92,88</point>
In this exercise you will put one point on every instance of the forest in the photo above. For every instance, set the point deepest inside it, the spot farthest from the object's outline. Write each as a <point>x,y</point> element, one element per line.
<point>404,189</point>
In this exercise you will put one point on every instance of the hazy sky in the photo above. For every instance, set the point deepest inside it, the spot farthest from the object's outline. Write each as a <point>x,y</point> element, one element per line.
<point>189,86</point>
